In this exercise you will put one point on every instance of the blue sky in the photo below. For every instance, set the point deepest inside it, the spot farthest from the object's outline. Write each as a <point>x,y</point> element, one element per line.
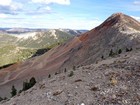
<point>73,14</point>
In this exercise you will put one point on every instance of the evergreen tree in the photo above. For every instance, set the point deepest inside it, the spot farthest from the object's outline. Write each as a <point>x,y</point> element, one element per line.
<point>26,86</point>
<point>65,70</point>
<point>71,74</point>
<point>102,57</point>
<point>127,50</point>
<point>111,53</point>
<point>1,99</point>
<point>20,91</point>
<point>32,82</point>
<point>120,51</point>
<point>49,76</point>
<point>14,91</point>
<point>56,73</point>
<point>5,98</point>
<point>130,49</point>
<point>74,67</point>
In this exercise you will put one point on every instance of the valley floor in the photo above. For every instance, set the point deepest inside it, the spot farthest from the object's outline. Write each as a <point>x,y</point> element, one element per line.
<point>114,81</point>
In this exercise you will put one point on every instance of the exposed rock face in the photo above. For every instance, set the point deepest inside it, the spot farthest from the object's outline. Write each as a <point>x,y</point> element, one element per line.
<point>118,32</point>
<point>114,81</point>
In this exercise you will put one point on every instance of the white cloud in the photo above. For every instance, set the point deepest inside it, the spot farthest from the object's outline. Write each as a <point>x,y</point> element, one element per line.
<point>16,6</point>
<point>43,9</point>
<point>48,8</point>
<point>71,24</point>
<point>62,2</point>
<point>5,2</point>
<point>40,11</point>
<point>136,2</point>
<point>3,16</point>
<point>10,7</point>
<point>136,17</point>
<point>80,24</point>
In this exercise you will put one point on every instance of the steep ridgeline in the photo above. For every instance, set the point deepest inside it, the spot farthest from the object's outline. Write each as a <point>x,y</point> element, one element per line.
<point>118,34</point>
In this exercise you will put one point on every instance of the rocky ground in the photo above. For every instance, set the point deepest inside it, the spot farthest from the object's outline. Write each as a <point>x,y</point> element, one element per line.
<point>114,81</point>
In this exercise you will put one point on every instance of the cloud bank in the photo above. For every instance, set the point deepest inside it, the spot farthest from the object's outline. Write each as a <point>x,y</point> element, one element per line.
<point>62,2</point>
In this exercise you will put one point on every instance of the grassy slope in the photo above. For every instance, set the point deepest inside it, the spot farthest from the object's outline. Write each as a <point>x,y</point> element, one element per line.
<point>11,53</point>
<point>45,39</point>
<point>13,50</point>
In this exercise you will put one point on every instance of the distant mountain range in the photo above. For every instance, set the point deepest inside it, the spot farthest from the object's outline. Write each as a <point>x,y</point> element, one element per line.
<point>17,44</point>
<point>25,30</point>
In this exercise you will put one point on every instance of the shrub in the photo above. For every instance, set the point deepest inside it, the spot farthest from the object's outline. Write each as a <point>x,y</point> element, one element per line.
<point>14,91</point>
<point>5,98</point>
<point>120,51</point>
<point>20,91</point>
<point>56,73</point>
<point>71,74</point>
<point>1,99</point>
<point>111,53</point>
<point>32,82</point>
<point>49,76</point>
<point>102,57</point>
<point>94,88</point>
<point>74,67</point>
<point>127,50</point>
<point>130,49</point>
<point>27,85</point>
<point>65,70</point>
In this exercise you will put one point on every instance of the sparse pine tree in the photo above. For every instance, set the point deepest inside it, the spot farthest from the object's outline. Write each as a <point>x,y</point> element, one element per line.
<point>49,76</point>
<point>111,53</point>
<point>130,49</point>
<point>102,57</point>
<point>74,67</point>
<point>14,91</point>
<point>32,82</point>
<point>26,86</point>
<point>71,74</point>
<point>20,91</point>
<point>1,99</point>
<point>127,50</point>
<point>56,73</point>
<point>120,51</point>
<point>65,70</point>
<point>5,98</point>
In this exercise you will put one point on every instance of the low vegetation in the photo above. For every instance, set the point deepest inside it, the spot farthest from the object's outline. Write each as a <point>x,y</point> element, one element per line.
<point>71,74</point>
<point>26,85</point>
<point>14,91</point>
<point>112,53</point>
<point>13,49</point>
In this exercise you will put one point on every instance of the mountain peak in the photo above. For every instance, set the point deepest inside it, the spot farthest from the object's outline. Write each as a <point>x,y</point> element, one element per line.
<point>119,20</point>
<point>117,14</point>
